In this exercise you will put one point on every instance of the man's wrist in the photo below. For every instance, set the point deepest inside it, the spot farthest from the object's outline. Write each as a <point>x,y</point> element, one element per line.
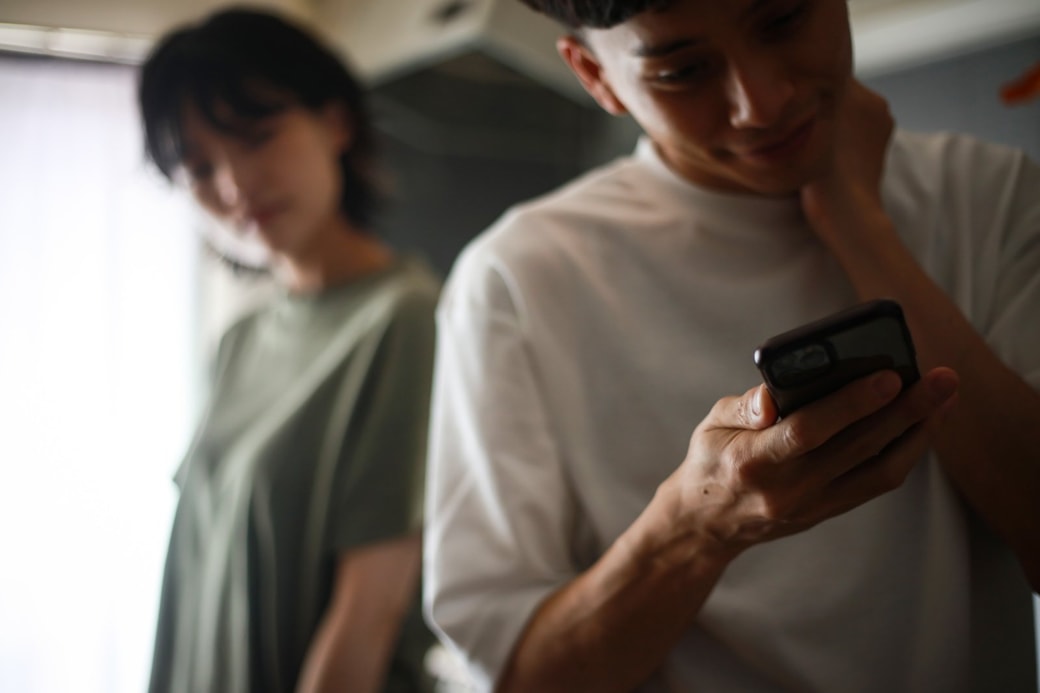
<point>665,540</point>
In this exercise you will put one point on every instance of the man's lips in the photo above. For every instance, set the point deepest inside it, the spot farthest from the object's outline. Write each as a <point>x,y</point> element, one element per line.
<point>784,146</point>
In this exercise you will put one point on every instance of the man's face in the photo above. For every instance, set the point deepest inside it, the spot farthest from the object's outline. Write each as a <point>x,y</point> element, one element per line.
<point>739,95</point>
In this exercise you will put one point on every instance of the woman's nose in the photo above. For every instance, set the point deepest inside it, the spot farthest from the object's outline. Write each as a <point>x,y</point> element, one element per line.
<point>228,185</point>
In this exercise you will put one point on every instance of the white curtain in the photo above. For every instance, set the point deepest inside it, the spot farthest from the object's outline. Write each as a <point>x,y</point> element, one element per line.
<point>97,377</point>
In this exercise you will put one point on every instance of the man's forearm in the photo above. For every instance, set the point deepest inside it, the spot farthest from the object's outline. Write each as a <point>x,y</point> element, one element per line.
<point>610,628</point>
<point>990,441</point>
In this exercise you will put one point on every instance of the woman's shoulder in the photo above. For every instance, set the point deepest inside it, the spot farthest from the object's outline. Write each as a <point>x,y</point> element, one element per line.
<point>409,290</point>
<point>395,306</point>
<point>235,334</point>
<point>415,280</point>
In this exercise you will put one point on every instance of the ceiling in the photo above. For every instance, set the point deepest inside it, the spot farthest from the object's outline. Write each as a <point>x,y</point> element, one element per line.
<point>894,34</point>
<point>388,38</point>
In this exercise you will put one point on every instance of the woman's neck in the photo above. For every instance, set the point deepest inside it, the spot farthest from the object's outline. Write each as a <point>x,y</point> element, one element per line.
<point>338,255</point>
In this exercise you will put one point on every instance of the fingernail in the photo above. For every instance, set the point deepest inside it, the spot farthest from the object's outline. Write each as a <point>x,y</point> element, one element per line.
<point>887,384</point>
<point>756,402</point>
<point>943,388</point>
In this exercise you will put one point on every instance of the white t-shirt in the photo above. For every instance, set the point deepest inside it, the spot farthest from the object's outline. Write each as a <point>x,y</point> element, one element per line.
<point>584,336</point>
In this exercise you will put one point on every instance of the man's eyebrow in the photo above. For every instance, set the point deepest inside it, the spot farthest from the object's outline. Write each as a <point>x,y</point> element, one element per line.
<point>660,50</point>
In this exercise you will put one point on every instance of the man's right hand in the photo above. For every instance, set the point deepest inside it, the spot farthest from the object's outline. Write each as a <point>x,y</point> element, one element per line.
<point>749,478</point>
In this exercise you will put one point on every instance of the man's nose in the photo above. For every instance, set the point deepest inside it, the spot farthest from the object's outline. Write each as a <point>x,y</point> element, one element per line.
<point>759,94</point>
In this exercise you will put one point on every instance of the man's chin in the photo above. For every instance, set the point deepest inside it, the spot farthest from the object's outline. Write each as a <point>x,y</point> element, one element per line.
<point>787,181</point>
<point>786,186</point>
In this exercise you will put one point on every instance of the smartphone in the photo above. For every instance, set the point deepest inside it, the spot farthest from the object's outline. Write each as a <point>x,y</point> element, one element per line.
<point>816,359</point>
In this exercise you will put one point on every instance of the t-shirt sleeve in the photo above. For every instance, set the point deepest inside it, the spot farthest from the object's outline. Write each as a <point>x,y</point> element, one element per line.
<point>1013,239</point>
<point>378,486</point>
<point>500,509</point>
<point>970,211</point>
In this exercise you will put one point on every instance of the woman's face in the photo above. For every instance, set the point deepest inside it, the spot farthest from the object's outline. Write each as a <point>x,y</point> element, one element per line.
<point>276,179</point>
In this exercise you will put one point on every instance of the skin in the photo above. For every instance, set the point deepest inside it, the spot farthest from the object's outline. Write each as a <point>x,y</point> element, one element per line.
<point>374,588</point>
<point>771,108</point>
<point>278,181</point>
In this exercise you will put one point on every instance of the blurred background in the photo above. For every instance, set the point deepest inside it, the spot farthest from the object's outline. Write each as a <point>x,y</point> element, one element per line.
<point>108,307</point>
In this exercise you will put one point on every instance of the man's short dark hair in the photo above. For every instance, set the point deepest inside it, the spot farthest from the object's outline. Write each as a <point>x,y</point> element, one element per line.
<point>594,14</point>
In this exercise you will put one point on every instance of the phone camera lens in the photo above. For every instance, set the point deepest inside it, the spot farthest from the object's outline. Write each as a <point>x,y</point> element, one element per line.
<point>798,365</point>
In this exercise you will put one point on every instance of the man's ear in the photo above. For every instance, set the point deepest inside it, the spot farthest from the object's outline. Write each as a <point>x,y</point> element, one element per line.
<point>586,66</point>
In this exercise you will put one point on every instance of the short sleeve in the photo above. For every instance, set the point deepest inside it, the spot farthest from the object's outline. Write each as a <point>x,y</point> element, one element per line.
<point>970,211</point>
<point>1014,328</point>
<point>500,510</point>
<point>378,485</point>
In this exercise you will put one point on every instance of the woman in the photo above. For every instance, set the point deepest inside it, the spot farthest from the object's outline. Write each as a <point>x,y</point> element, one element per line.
<point>294,556</point>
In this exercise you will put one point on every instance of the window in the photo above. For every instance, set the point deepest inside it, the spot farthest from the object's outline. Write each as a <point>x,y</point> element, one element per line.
<point>97,384</point>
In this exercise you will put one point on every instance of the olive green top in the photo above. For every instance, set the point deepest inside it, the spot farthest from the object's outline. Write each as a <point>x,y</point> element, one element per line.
<point>312,444</point>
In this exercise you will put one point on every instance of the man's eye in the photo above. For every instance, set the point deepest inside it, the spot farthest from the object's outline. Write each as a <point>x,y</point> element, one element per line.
<point>685,74</point>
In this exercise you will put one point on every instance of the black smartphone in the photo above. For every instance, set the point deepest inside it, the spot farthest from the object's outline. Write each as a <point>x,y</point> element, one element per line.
<point>816,359</point>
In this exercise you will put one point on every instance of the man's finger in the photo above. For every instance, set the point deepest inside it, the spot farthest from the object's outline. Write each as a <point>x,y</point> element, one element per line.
<point>753,410</point>
<point>816,423</point>
<point>873,434</point>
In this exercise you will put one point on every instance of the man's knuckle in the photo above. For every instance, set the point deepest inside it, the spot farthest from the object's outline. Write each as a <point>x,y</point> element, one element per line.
<point>893,473</point>
<point>743,412</point>
<point>797,435</point>
<point>866,447</point>
<point>774,509</point>
<point>733,459</point>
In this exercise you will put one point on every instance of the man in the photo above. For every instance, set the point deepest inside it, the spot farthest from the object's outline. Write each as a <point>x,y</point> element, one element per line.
<point>579,538</point>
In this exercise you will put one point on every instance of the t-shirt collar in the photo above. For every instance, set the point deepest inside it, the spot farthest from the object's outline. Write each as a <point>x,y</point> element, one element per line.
<point>752,209</point>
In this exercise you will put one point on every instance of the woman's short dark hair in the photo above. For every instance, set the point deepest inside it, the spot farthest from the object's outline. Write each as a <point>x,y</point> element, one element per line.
<point>247,64</point>
<point>594,14</point>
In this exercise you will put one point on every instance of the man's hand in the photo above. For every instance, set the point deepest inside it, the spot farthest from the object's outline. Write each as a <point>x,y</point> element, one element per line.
<point>851,184</point>
<point>749,478</point>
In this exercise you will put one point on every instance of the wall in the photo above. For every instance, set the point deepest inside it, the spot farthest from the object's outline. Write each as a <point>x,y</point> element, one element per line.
<point>465,139</point>
<point>961,94</point>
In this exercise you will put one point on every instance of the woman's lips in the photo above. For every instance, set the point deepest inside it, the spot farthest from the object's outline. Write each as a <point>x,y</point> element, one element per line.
<point>263,216</point>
